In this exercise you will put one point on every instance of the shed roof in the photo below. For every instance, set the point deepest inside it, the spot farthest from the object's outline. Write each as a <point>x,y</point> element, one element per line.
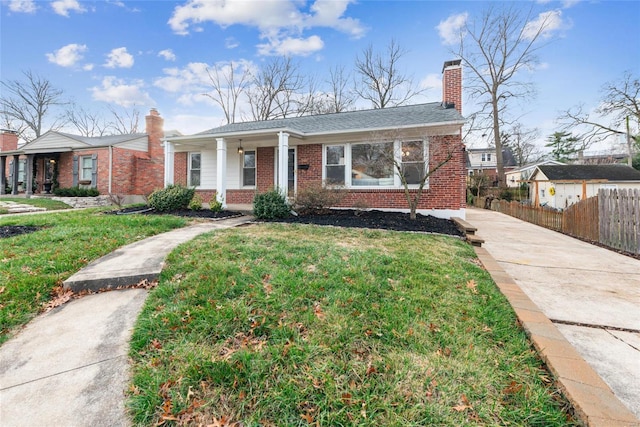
<point>615,172</point>
<point>382,118</point>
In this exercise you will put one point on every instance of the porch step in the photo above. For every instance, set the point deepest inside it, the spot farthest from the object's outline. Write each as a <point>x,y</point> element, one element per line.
<point>469,231</point>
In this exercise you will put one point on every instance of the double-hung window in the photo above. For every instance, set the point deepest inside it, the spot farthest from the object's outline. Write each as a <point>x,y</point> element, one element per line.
<point>413,161</point>
<point>335,164</point>
<point>486,157</point>
<point>22,165</point>
<point>249,168</point>
<point>194,169</point>
<point>372,164</point>
<point>86,168</point>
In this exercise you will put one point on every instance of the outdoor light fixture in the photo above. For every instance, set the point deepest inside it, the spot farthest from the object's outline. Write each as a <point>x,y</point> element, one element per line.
<point>240,149</point>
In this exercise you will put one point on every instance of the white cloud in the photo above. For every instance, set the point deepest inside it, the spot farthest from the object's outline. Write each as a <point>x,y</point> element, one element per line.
<point>545,24</point>
<point>167,54</point>
<point>284,18</point>
<point>22,6</point>
<point>119,92</point>
<point>450,29</point>
<point>62,7</point>
<point>88,67</point>
<point>566,4</point>
<point>67,56</point>
<point>291,46</point>
<point>119,58</point>
<point>231,43</point>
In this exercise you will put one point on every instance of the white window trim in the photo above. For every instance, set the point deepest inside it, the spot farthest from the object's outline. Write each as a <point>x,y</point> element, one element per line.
<point>189,169</point>
<point>81,167</point>
<point>255,178</point>
<point>397,181</point>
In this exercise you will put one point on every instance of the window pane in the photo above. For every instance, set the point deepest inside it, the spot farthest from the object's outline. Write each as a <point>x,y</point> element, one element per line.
<point>372,164</point>
<point>335,175</point>
<point>249,159</point>
<point>335,155</point>
<point>87,168</point>
<point>413,172</point>
<point>412,151</point>
<point>195,161</point>
<point>194,178</point>
<point>249,176</point>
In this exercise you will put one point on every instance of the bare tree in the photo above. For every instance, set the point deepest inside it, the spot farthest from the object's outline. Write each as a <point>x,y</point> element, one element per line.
<point>124,121</point>
<point>87,123</point>
<point>495,48</point>
<point>30,101</point>
<point>521,142</point>
<point>9,123</point>
<point>618,114</point>
<point>413,158</point>
<point>229,83</point>
<point>273,89</point>
<point>379,79</point>
<point>341,97</point>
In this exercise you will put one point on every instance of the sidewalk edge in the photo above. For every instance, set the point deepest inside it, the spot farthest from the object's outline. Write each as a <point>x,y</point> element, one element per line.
<point>592,399</point>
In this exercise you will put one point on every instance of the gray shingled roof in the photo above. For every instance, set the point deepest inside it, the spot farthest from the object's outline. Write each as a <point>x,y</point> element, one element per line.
<point>403,116</point>
<point>609,172</point>
<point>100,141</point>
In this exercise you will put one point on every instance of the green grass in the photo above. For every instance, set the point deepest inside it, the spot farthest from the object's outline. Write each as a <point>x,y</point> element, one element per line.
<point>48,204</point>
<point>293,325</point>
<point>32,265</point>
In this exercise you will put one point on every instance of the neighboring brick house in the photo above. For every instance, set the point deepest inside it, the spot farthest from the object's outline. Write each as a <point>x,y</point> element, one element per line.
<point>352,150</point>
<point>131,164</point>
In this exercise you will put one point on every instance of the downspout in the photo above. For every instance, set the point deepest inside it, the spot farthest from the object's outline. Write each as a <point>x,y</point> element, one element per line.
<point>110,167</point>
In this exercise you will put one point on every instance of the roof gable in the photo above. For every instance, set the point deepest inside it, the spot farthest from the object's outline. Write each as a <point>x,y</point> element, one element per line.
<point>384,118</point>
<point>613,172</point>
<point>66,141</point>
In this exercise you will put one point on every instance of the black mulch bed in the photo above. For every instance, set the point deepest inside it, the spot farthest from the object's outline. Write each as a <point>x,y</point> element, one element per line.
<point>15,230</point>
<point>376,219</point>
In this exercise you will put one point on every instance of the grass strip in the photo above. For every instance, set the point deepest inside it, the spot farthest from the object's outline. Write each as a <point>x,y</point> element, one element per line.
<point>32,265</point>
<point>48,204</point>
<point>277,324</point>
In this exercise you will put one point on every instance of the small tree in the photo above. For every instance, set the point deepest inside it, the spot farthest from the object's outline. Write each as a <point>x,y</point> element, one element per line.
<point>410,159</point>
<point>564,146</point>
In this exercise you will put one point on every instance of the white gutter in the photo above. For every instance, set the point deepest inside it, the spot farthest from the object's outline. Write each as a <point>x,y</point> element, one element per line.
<point>110,167</point>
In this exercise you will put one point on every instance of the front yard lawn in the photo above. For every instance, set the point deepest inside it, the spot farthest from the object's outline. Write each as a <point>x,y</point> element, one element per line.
<point>277,325</point>
<point>48,204</point>
<point>32,265</point>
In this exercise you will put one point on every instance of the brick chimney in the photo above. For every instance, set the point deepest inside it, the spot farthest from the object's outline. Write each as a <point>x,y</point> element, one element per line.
<point>452,84</point>
<point>8,140</point>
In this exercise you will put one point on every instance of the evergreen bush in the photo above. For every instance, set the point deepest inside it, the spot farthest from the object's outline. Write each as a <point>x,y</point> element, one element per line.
<point>172,197</point>
<point>270,205</point>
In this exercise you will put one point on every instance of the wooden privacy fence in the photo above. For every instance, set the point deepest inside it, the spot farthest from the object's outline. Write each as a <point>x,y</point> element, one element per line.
<point>611,218</point>
<point>620,219</point>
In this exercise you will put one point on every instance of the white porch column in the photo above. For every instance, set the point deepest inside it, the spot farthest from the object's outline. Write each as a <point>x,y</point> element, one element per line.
<point>283,163</point>
<point>29,175</point>
<point>221,172</point>
<point>169,158</point>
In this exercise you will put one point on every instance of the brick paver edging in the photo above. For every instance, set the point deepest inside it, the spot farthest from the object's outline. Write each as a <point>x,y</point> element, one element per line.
<point>591,397</point>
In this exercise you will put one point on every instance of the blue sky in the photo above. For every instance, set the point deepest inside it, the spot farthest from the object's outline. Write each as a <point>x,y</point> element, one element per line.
<point>144,54</point>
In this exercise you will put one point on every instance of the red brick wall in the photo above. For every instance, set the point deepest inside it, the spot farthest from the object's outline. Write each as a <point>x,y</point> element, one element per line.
<point>8,141</point>
<point>309,155</point>
<point>149,167</point>
<point>180,168</point>
<point>240,196</point>
<point>265,168</point>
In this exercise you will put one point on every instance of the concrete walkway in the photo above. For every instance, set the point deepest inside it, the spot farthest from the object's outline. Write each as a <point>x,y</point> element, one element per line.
<point>591,295</point>
<point>69,367</point>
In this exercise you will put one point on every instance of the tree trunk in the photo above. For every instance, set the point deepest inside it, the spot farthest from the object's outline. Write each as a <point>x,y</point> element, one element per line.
<point>498,143</point>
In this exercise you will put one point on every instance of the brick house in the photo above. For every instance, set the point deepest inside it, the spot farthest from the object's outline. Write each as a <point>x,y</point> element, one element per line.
<point>353,151</point>
<point>131,164</point>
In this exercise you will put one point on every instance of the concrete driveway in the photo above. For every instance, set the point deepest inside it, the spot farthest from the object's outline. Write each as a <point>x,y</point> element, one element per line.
<point>591,294</point>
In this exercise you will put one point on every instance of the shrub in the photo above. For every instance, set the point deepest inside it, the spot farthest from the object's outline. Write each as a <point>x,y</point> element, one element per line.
<point>196,203</point>
<point>215,205</point>
<point>317,197</point>
<point>76,192</point>
<point>270,205</point>
<point>171,198</point>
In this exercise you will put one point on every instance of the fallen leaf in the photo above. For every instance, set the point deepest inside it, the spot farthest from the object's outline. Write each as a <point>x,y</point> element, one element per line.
<point>346,398</point>
<point>371,370</point>
<point>307,417</point>
<point>463,405</point>
<point>318,311</point>
<point>513,388</point>
<point>156,344</point>
<point>471,284</point>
